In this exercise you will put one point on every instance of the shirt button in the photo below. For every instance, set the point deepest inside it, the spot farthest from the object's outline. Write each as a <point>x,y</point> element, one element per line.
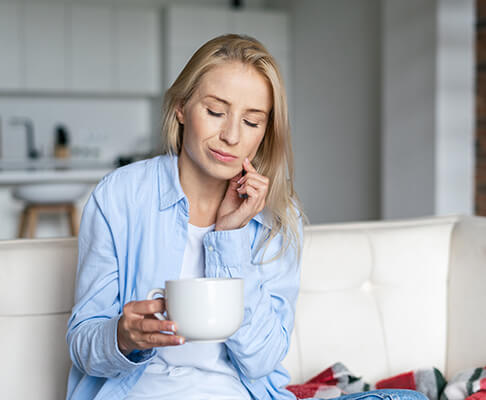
<point>210,248</point>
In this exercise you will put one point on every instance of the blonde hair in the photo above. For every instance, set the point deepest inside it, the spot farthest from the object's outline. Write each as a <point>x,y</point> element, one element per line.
<point>274,157</point>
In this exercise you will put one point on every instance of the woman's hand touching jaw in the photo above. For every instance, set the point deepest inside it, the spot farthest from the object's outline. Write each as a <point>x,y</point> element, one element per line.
<point>235,212</point>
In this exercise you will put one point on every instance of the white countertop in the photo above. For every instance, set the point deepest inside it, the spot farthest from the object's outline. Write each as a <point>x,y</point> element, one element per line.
<point>18,172</point>
<point>10,178</point>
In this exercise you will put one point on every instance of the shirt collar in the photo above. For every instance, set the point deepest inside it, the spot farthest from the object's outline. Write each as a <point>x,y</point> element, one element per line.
<point>170,189</point>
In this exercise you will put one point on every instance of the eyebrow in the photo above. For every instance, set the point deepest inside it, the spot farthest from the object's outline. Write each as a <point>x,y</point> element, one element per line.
<point>228,103</point>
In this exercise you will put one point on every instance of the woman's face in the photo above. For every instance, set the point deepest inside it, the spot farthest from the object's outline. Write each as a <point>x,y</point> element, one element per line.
<point>228,113</point>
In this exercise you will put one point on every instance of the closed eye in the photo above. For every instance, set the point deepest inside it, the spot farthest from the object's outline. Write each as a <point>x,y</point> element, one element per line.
<point>214,114</point>
<point>251,124</point>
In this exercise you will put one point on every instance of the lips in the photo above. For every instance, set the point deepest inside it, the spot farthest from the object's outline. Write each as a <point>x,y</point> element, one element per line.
<point>222,156</point>
<point>223,153</point>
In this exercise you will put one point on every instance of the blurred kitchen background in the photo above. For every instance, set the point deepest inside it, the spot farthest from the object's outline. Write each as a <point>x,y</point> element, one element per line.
<point>381,96</point>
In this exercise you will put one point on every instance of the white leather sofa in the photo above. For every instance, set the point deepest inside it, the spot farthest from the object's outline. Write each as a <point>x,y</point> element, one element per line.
<point>381,297</point>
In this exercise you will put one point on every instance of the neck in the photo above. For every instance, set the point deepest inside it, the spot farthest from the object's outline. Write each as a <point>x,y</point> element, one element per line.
<point>203,192</point>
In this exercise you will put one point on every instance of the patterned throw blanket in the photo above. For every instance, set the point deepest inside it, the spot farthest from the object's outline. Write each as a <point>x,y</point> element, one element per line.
<point>338,380</point>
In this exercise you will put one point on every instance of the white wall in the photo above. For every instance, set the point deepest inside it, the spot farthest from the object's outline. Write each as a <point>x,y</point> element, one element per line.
<point>408,107</point>
<point>383,116</point>
<point>428,108</point>
<point>336,118</point>
<point>455,114</point>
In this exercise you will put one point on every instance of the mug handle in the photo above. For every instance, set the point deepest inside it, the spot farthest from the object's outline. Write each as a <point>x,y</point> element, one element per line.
<point>151,295</point>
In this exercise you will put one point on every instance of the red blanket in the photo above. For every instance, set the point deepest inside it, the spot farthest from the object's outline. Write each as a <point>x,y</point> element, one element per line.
<point>337,380</point>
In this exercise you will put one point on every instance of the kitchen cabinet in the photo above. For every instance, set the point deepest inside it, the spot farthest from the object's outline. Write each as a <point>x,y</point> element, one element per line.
<point>67,47</point>
<point>44,46</point>
<point>92,60</point>
<point>269,27</point>
<point>189,26</point>
<point>137,51</point>
<point>204,22</point>
<point>10,36</point>
<point>272,29</point>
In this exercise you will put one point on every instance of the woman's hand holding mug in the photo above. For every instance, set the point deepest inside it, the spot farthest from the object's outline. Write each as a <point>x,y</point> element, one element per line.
<point>235,212</point>
<point>138,329</point>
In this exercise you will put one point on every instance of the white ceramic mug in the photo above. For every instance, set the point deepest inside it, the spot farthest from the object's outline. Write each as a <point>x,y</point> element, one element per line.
<point>204,309</point>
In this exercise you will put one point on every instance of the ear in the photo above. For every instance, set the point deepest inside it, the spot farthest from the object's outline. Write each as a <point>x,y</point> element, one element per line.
<point>180,113</point>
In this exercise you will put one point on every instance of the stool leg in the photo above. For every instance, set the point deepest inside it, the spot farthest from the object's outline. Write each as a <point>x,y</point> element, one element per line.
<point>23,222</point>
<point>31,221</point>
<point>73,220</point>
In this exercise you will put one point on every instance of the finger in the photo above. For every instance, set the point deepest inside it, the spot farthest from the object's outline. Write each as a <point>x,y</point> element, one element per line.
<point>151,325</point>
<point>233,184</point>
<point>261,188</point>
<point>231,195</point>
<point>248,166</point>
<point>151,316</point>
<point>257,181</point>
<point>254,175</point>
<point>156,339</point>
<point>145,307</point>
<point>250,191</point>
<point>256,198</point>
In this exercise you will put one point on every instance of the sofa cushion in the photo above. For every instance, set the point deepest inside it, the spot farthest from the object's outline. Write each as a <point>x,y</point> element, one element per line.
<point>36,358</point>
<point>373,296</point>
<point>37,276</point>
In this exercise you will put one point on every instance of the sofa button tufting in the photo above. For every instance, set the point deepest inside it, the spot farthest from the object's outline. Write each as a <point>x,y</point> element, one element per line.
<point>367,286</point>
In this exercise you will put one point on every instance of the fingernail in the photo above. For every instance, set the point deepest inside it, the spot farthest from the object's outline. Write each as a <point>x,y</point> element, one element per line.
<point>239,180</point>
<point>246,160</point>
<point>181,340</point>
<point>173,328</point>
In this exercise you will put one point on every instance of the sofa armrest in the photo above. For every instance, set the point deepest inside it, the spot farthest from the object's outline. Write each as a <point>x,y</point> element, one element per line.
<point>466,341</point>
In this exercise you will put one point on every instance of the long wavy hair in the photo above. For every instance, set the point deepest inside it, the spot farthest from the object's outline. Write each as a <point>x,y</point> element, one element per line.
<point>274,158</point>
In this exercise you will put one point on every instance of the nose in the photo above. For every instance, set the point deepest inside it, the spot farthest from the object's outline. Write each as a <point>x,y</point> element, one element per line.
<point>230,132</point>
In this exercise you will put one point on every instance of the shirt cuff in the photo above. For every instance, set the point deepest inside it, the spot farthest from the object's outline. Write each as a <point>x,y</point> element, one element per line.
<point>227,249</point>
<point>132,360</point>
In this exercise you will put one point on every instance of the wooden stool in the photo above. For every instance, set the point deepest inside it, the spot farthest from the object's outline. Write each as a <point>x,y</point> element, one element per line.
<point>28,219</point>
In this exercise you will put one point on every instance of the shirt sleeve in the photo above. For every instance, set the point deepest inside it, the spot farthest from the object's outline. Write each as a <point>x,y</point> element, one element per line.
<point>270,296</point>
<point>92,327</point>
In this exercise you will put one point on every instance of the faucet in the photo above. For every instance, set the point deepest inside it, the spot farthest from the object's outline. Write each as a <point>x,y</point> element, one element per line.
<point>29,131</point>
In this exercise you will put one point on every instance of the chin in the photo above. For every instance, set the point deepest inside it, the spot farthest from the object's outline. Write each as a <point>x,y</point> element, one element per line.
<point>222,172</point>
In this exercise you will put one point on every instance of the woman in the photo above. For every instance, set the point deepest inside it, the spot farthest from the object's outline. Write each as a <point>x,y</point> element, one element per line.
<point>226,113</point>
<point>193,212</point>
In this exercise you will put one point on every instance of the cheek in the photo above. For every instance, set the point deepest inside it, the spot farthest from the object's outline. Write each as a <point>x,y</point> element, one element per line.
<point>254,144</point>
<point>205,126</point>
<point>197,129</point>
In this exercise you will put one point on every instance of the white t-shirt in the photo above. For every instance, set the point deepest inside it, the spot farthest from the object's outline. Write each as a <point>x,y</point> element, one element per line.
<point>193,370</point>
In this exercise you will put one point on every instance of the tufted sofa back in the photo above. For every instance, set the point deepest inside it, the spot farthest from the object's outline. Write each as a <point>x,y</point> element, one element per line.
<point>389,296</point>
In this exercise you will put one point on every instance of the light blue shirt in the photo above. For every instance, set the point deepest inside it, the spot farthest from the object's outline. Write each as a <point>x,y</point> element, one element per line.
<point>192,371</point>
<point>132,238</point>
